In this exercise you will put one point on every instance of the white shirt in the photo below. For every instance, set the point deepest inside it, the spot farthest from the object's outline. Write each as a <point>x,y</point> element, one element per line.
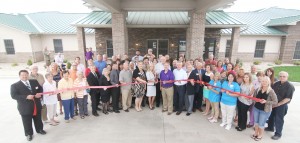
<point>180,75</point>
<point>140,58</point>
<point>159,67</point>
<point>59,59</point>
<point>49,98</point>
<point>80,68</point>
<point>26,82</point>
<point>150,76</point>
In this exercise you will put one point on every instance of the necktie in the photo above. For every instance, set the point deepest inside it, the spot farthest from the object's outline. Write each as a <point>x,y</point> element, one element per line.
<point>27,85</point>
<point>95,75</point>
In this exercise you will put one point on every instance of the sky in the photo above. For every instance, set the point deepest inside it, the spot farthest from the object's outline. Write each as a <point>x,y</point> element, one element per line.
<point>76,6</point>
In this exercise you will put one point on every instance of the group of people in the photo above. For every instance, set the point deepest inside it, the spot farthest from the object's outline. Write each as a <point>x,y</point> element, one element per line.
<point>149,80</point>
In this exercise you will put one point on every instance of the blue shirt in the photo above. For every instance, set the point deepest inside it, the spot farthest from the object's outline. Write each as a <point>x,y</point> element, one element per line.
<point>214,97</point>
<point>165,77</point>
<point>225,67</point>
<point>100,66</point>
<point>227,99</point>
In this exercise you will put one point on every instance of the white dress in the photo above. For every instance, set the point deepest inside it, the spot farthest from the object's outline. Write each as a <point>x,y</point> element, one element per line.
<point>151,88</point>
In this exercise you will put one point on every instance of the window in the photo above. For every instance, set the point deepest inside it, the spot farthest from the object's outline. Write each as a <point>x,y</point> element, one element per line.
<point>9,47</point>
<point>58,47</point>
<point>259,48</point>
<point>297,51</point>
<point>227,50</point>
<point>109,48</point>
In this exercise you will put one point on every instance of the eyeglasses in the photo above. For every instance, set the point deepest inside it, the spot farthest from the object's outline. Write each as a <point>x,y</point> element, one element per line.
<point>282,76</point>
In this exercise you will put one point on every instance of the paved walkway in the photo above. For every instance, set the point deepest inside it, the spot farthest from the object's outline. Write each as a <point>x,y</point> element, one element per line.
<point>148,126</point>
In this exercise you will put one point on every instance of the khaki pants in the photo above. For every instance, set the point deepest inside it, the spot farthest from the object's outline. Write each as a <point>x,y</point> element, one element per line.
<point>126,98</point>
<point>167,95</point>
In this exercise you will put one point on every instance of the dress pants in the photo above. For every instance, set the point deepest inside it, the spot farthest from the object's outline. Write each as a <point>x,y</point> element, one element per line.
<point>242,114</point>
<point>277,119</point>
<point>198,98</point>
<point>167,94</point>
<point>27,123</point>
<point>179,93</point>
<point>44,113</point>
<point>115,92</point>
<point>158,94</point>
<point>189,101</point>
<point>126,98</point>
<point>227,113</point>
<point>95,98</point>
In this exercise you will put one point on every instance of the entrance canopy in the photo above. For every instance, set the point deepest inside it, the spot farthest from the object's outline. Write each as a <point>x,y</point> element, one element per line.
<point>116,6</point>
<point>158,19</point>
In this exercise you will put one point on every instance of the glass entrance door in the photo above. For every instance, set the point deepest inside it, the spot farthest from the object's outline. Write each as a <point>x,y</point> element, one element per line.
<point>159,46</point>
<point>209,47</point>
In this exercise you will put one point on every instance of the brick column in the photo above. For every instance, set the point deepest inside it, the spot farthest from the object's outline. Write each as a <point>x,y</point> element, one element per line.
<point>235,36</point>
<point>197,32</point>
<point>81,44</point>
<point>119,33</point>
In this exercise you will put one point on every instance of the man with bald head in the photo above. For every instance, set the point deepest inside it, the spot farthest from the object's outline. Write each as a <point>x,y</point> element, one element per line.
<point>198,71</point>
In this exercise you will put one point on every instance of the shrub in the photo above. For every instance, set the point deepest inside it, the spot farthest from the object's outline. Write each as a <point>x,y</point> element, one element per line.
<point>278,62</point>
<point>69,65</point>
<point>297,63</point>
<point>256,62</point>
<point>239,62</point>
<point>14,64</point>
<point>65,61</point>
<point>29,62</point>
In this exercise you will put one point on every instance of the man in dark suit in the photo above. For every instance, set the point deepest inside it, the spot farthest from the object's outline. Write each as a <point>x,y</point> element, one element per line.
<point>28,94</point>
<point>93,80</point>
<point>198,71</point>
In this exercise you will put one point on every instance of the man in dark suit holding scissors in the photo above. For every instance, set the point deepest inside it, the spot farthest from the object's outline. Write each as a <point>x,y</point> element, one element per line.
<point>28,94</point>
<point>93,80</point>
<point>198,71</point>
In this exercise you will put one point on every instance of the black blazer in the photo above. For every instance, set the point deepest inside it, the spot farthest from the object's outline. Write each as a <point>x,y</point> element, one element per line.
<point>190,89</point>
<point>197,75</point>
<point>93,81</point>
<point>19,92</point>
<point>104,82</point>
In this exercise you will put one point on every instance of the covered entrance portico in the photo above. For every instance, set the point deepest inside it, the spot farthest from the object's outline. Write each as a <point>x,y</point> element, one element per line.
<point>178,27</point>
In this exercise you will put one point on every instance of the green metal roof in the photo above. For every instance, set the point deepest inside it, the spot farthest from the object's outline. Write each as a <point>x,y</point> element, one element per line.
<point>158,19</point>
<point>289,20</point>
<point>43,22</point>
<point>256,21</point>
<point>19,22</point>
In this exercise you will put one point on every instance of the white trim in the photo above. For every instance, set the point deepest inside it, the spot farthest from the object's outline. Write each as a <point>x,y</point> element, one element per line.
<point>34,24</point>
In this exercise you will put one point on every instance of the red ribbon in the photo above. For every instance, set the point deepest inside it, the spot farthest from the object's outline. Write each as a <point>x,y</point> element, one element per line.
<point>168,81</point>
<point>34,108</point>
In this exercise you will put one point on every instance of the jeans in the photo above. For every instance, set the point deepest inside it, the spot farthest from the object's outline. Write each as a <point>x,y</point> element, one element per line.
<point>68,108</point>
<point>260,117</point>
<point>189,100</point>
<point>82,103</point>
<point>179,93</point>
<point>277,119</point>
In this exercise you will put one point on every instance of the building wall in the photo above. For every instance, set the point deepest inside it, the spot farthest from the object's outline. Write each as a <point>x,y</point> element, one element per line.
<point>247,47</point>
<point>289,41</point>
<point>69,42</point>
<point>37,48</point>
<point>21,42</point>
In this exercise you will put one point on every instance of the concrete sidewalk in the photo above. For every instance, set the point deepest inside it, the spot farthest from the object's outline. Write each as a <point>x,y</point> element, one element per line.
<point>148,126</point>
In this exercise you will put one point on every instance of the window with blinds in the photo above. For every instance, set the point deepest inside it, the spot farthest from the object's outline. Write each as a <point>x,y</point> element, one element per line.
<point>259,48</point>
<point>9,46</point>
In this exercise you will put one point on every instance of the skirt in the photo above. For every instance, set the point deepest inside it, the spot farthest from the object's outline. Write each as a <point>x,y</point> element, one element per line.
<point>205,92</point>
<point>151,90</point>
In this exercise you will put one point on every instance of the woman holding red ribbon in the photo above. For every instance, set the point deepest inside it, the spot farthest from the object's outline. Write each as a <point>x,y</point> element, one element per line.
<point>140,88</point>
<point>105,92</point>
<point>262,110</point>
<point>243,103</point>
<point>206,78</point>
<point>214,97</point>
<point>228,100</point>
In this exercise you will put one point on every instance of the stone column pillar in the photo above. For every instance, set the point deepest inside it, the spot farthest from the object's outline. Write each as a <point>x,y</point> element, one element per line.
<point>81,44</point>
<point>235,36</point>
<point>197,32</point>
<point>119,33</point>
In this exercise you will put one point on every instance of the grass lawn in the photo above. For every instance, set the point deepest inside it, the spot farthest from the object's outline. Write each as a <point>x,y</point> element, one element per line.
<point>294,72</point>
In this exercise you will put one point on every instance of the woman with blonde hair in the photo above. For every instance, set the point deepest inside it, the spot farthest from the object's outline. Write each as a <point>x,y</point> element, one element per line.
<point>139,76</point>
<point>262,109</point>
<point>81,94</point>
<point>151,88</point>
